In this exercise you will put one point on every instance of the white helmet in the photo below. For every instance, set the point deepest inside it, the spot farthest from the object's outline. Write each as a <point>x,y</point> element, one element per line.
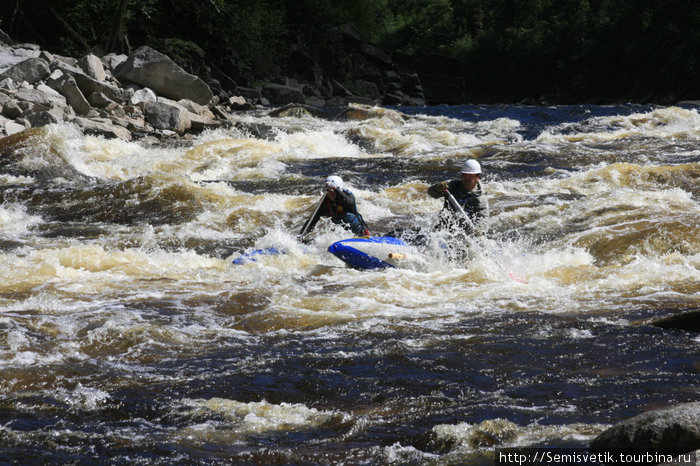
<point>471,167</point>
<point>334,182</point>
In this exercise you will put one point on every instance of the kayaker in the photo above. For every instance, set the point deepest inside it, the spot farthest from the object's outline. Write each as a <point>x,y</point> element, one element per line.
<point>468,193</point>
<point>339,204</point>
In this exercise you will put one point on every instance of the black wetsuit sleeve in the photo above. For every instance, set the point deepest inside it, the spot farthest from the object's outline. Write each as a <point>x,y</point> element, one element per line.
<point>347,200</point>
<point>438,190</point>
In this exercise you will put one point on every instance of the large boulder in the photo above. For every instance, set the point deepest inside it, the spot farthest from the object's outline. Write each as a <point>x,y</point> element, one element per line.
<point>150,68</point>
<point>674,428</point>
<point>31,70</point>
<point>65,84</point>
<point>281,94</point>
<point>102,128</point>
<point>89,85</point>
<point>92,66</point>
<point>168,116</point>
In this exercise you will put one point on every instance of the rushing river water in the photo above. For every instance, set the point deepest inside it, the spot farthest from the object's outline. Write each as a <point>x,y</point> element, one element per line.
<point>129,336</point>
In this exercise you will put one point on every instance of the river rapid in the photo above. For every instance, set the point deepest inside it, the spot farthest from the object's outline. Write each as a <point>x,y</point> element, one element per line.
<point>129,336</point>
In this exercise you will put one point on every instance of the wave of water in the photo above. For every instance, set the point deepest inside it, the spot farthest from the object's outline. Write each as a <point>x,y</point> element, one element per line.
<point>128,334</point>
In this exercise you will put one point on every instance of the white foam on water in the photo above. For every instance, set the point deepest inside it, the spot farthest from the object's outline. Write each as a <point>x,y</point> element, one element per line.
<point>15,221</point>
<point>501,433</point>
<point>83,398</point>
<point>258,417</point>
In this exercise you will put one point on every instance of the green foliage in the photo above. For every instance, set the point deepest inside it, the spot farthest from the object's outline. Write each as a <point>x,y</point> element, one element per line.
<point>509,49</point>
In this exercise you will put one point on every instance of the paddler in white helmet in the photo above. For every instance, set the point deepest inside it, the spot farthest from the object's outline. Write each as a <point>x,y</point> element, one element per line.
<point>339,204</point>
<point>468,193</point>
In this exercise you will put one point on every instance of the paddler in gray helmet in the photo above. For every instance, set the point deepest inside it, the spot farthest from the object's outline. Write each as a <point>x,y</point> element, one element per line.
<point>468,194</point>
<point>339,204</point>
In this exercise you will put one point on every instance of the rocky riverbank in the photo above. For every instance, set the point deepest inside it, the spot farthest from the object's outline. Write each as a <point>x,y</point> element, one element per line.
<point>147,95</point>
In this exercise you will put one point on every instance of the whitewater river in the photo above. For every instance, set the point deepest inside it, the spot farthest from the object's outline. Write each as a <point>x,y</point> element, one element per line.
<point>129,336</point>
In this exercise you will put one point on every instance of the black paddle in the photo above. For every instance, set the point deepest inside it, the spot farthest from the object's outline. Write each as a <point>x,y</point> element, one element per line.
<point>307,226</point>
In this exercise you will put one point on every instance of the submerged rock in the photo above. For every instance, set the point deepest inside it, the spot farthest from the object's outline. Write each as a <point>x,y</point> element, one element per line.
<point>689,320</point>
<point>673,428</point>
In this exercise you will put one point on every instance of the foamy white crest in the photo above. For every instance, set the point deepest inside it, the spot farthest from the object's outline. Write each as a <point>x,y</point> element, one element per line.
<point>399,454</point>
<point>12,179</point>
<point>14,219</point>
<point>658,123</point>
<point>118,159</point>
<point>257,417</point>
<point>474,437</point>
<point>316,144</point>
<point>83,398</point>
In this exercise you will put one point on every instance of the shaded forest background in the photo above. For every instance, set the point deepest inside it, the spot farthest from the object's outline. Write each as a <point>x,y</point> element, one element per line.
<point>565,51</point>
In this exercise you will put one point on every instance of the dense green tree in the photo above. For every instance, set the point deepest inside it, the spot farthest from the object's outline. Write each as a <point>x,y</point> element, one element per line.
<point>508,49</point>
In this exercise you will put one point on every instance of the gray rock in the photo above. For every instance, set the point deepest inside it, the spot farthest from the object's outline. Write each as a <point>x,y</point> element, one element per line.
<point>112,60</point>
<point>250,94</point>
<point>676,427</point>
<point>67,60</point>
<point>239,102</point>
<point>142,96</point>
<point>102,129</point>
<point>166,116</point>
<point>688,320</point>
<point>67,87</point>
<point>8,84</point>
<point>200,123</point>
<point>89,85</point>
<point>12,127</point>
<point>31,70</point>
<point>339,90</point>
<point>11,109</point>
<point>197,109</point>
<point>39,99</point>
<point>51,94</point>
<point>150,68</point>
<point>281,94</point>
<point>99,100</point>
<point>315,101</point>
<point>48,56</point>
<point>92,66</point>
<point>367,89</point>
<point>27,46</point>
<point>45,117</point>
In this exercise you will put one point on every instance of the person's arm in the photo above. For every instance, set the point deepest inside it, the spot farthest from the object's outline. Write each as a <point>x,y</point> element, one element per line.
<point>347,200</point>
<point>438,190</point>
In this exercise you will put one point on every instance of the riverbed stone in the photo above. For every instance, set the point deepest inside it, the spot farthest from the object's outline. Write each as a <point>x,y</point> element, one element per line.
<point>676,427</point>
<point>45,117</point>
<point>687,320</point>
<point>12,127</point>
<point>282,93</point>
<point>166,116</point>
<point>102,128</point>
<point>30,70</point>
<point>65,84</point>
<point>92,66</point>
<point>150,68</point>
<point>99,100</point>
